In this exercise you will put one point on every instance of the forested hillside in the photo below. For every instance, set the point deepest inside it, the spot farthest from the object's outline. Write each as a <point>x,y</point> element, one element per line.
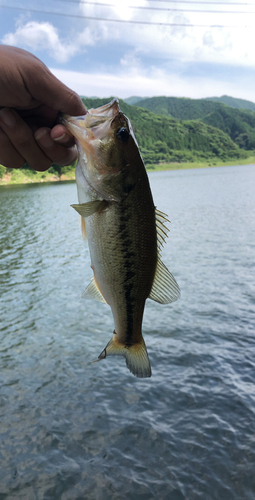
<point>133,99</point>
<point>225,99</point>
<point>165,139</point>
<point>233,102</point>
<point>181,108</point>
<point>239,124</point>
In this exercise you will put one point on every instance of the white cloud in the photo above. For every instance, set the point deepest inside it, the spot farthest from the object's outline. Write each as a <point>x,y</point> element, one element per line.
<point>131,62</point>
<point>124,9</point>
<point>150,60</point>
<point>41,36</point>
<point>44,36</point>
<point>227,45</point>
<point>152,83</point>
<point>231,46</point>
<point>115,9</point>
<point>205,45</point>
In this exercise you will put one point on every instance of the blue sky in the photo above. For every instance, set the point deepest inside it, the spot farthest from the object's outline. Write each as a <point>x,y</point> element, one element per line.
<point>103,58</point>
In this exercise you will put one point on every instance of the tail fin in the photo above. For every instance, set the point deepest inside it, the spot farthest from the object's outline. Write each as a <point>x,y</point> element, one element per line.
<point>136,356</point>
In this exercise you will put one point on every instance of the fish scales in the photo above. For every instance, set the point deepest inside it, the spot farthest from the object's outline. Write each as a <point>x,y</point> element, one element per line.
<point>125,232</point>
<point>124,260</point>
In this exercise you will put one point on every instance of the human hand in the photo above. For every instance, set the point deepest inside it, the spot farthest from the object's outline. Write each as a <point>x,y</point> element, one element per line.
<point>30,99</point>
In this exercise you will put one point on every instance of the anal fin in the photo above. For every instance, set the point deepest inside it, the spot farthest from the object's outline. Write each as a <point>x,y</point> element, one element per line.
<point>92,292</point>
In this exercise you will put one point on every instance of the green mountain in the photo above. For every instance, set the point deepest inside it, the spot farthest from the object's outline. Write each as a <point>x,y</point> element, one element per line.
<point>181,108</point>
<point>133,99</point>
<point>233,102</point>
<point>177,130</point>
<point>166,139</point>
<point>239,124</point>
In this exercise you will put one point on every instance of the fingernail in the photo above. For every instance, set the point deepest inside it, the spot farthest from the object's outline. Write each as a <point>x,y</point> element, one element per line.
<point>61,137</point>
<point>44,139</point>
<point>7,117</point>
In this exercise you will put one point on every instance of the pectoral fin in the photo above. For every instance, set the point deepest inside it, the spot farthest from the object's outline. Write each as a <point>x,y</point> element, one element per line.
<point>165,288</point>
<point>87,209</point>
<point>92,292</point>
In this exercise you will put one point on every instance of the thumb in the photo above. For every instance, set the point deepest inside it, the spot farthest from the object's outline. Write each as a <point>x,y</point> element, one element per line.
<point>47,89</point>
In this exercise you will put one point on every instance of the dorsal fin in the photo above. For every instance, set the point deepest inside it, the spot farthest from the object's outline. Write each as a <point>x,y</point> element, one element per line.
<point>162,229</point>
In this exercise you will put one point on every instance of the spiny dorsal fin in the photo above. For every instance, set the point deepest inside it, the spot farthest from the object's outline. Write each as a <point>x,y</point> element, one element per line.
<point>162,229</point>
<point>87,209</point>
<point>165,288</point>
<point>92,292</point>
<point>137,359</point>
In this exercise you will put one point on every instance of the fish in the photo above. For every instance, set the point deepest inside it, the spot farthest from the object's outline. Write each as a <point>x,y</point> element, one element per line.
<point>125,231</point>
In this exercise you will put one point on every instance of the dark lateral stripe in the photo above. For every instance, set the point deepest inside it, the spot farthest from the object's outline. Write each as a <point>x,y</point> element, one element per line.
<point>128,274</point>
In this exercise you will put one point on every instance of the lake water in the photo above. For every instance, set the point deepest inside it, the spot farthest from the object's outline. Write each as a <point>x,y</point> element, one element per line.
<point>71,430</point>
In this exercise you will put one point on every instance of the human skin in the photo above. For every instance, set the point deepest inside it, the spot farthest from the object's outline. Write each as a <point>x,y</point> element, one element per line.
<point>31,98</point>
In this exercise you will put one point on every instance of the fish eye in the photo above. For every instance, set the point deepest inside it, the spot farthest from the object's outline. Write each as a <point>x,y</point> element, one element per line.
<point>123,134</point>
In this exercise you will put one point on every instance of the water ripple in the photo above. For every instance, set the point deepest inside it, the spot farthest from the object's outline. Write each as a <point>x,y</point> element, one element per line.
<point>71,429</point>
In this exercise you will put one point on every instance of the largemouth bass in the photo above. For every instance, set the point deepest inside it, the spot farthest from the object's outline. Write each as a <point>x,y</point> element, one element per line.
<point>124,230</point>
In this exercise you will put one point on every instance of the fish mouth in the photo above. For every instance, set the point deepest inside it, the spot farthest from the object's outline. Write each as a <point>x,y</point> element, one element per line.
<point>94,125</point>
<point>93,132</point>
<point>107,110</point>
<point>95,128</point>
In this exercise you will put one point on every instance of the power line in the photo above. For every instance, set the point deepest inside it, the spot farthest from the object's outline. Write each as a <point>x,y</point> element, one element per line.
<point>168,9</point>
<point>201,2</point>
<point>148,23</point>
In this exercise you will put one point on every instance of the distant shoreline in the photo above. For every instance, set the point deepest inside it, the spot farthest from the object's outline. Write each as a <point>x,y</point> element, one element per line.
<point>17,176</point>
<point>207,164</point>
